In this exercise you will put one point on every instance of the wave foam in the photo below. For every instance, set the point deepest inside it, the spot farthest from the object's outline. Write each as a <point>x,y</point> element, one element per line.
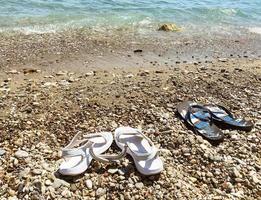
<point>255,30</point>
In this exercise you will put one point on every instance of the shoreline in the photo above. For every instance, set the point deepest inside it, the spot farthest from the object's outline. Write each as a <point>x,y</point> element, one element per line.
<point>82,44</point>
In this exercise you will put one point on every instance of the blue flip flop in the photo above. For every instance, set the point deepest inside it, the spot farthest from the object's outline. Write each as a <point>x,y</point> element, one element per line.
<point>224,118</point>
<point>200,119</point>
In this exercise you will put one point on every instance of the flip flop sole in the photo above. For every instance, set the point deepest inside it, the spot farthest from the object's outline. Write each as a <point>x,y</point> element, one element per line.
<point>146,167</point>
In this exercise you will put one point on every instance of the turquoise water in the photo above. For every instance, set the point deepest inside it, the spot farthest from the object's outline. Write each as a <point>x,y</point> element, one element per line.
<point>53,15</point>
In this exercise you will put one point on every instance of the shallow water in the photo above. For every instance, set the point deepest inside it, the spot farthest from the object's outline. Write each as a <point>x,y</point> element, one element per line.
<point>143,15</point>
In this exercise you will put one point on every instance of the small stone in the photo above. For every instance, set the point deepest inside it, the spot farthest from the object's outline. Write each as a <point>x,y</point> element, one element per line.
<point>222,59</point>
<point>61,73</point>
<point>166,152</point>
<point>48,182</point>
<point>138,51</point>
<point>122,177</point>
<point>88,183</point>
<point>112,171</point>
<point>2,152</point>
<point>228,186</point>
<point>38,185</point>
<point>157,187</point>
<point>186,151</point>
<point>37,171</point>
<point>66,193</point>
<point>100,192</point>
<point>58,183</point>
<point>129,75</point>
<point>255,179</point>
<point>12,72</point>
<point>90,73</point>
<point>144,73</point>
<point>36,104</point>
<point>235,137</point>
<point>49,84</point>
<point>193,180</point>
<point>12,198</point>
<point>71,80</point>
<point>123,171</point>
<point>236,173</point>
<point>24,173</point>
<point>30,70</point>
<point>139,185</point>
<point>114,124</point>
<point>21,154</point>
<point>11,192</point>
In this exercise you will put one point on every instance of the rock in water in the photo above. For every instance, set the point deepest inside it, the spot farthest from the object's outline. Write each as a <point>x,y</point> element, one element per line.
<point>169,27</point>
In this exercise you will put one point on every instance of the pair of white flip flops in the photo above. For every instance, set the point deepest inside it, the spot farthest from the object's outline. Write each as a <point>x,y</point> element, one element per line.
<point>79,153</point>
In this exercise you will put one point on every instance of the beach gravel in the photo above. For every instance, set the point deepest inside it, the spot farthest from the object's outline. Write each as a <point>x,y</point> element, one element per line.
<point>42,109</point>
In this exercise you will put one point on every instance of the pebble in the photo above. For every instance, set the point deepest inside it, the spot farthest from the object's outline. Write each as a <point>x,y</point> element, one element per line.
<point>48,182</point>
<point>193,180</point>
<point>37,171</point>
<point>235,137</point>
<point>13,71</point>
<point>21,154</point>
<point>61,73</point>
<point>88,183</point>
<point>157,187</point>
<point>89,73</point>
<point>198,167</point>
<point>58,183</point>
<point>122,171</point>
<point>112,171</point>
<point>2,152</point>
<point>236,173</point>
<point>255,179</point>
<point>139,185</point>
<point>24,173</point>
<point>100,192</point>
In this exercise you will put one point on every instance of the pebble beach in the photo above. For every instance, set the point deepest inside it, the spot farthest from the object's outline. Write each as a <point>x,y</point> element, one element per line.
<point>70,66</point>
<point>46,100</point>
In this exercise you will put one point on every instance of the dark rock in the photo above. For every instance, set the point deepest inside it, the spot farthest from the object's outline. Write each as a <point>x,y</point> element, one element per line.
<point>138,51</point>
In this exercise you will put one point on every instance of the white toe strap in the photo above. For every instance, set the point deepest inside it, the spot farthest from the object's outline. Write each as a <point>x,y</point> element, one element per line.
<point>73,152</point>
<point>72,148</point>
<point>152,152</point>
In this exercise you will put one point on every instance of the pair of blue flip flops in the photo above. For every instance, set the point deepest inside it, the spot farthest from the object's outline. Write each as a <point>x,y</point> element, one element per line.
<point>205,119</point>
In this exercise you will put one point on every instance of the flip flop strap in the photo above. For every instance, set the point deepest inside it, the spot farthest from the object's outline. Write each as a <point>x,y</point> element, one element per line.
<point>107,157</point>
<point>70,151</point>
<point>222,108</point>
<point>74,152</point>
<point>206,119</point>
<point>142,156</point>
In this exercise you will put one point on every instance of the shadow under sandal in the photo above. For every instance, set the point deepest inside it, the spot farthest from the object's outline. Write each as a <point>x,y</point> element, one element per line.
<point>200,119</point>
<point>224,118</point>
<point>141,148</point>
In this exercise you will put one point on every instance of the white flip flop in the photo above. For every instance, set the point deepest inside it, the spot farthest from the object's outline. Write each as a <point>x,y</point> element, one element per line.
<point>77,158</point>
<point>141,148</point>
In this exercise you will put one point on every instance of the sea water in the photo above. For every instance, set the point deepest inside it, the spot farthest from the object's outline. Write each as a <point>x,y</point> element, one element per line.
<point>41,16</point>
